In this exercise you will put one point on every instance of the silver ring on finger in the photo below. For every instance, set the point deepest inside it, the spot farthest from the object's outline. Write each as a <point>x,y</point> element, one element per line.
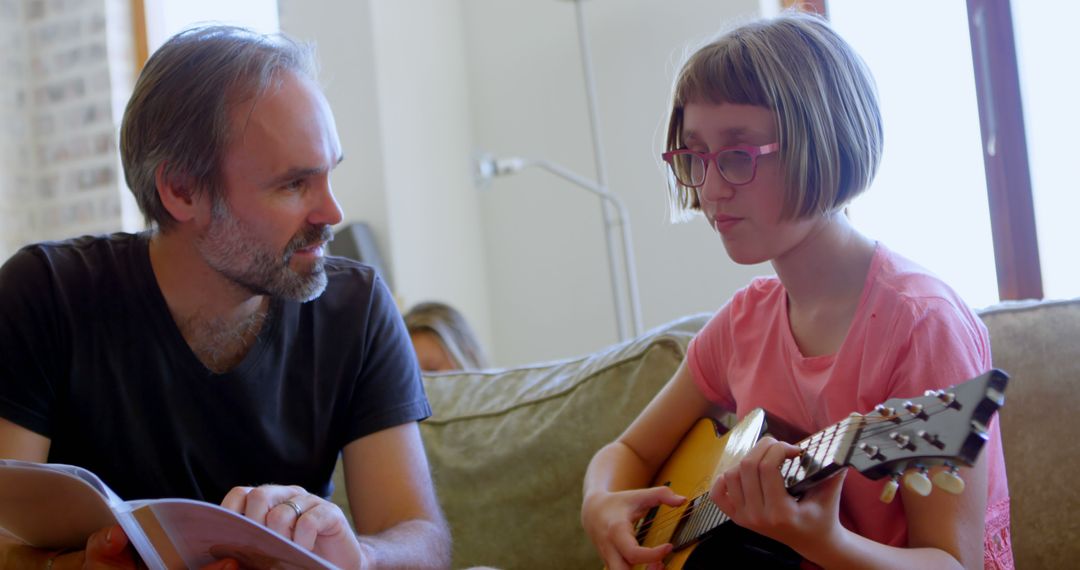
<point>295,507</point>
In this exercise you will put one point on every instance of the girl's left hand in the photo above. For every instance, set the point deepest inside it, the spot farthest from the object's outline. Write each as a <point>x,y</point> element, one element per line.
<point>309,520</point>
<point>753,494</point>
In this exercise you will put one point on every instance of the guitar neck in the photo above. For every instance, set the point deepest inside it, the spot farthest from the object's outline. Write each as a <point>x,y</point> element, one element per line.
<point>824,453</point>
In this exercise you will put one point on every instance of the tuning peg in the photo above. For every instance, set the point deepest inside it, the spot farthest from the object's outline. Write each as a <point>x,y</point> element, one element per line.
<point>947,397</point>
<point>885,411</point>
<point>888,493</point>
<point>902,440</point>
<point>871,451</point>
<point>914,409</point>
<point>931,438</point>
<point>949,481</point>
<point>918,481</point>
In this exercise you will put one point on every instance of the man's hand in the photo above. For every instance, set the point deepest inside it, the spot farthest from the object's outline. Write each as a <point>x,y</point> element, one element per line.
<point>309,520</point>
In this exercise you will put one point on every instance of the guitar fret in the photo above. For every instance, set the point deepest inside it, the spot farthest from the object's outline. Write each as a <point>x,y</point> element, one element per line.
<point>821,450</point>
<point>703,517</point>
<point>822,453</point>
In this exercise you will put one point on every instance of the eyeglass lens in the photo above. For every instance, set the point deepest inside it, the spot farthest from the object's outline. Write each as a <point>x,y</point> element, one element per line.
<point>736,166</point>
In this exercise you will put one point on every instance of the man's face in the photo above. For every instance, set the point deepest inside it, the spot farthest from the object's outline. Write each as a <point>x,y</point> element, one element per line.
<point>267,234</point>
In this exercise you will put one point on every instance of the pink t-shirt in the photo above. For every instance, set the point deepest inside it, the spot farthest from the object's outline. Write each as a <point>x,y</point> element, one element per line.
<point>911,333</point>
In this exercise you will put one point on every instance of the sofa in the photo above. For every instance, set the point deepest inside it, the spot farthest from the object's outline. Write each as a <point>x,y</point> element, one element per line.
<point>508,448</point>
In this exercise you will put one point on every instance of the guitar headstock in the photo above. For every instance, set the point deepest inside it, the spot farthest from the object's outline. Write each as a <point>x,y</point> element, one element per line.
<point>946,427</point>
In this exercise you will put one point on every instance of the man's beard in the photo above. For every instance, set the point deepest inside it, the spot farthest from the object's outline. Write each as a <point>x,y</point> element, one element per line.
<point>229,247</point>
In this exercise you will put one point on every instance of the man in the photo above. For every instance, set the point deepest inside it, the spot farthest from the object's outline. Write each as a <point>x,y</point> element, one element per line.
<point>220,349</point>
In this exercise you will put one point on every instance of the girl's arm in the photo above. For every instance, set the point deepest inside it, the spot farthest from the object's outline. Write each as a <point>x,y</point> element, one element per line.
<point>613,497</point>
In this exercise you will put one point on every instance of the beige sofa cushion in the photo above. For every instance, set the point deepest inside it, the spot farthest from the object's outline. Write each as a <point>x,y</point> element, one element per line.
<point>508,449</point>
<point>1037,343</point>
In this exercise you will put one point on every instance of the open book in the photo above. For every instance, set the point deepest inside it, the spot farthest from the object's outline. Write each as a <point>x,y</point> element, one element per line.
<point>54,506</point>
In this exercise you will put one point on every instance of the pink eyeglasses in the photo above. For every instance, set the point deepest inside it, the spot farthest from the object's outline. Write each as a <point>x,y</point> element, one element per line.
<point>737,164</point>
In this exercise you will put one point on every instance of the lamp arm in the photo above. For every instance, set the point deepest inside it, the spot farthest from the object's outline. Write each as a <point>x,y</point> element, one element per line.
<point>622,221</point>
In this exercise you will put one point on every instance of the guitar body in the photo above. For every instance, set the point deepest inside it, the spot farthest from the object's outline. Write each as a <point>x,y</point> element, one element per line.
<point>902,435</point>
<point>702,455</point>
<point>689,471</point>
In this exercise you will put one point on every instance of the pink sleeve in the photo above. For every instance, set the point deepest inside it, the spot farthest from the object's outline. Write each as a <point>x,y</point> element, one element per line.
<point>705,359</point>
<point>942,346</point>
<point>948,346</point>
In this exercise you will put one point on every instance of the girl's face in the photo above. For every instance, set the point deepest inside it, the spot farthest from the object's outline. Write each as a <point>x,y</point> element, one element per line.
<point>747,216</point>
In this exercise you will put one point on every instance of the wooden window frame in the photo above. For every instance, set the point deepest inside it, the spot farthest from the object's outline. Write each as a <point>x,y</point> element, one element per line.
<point>1005,157</point>
<point>138,32</point>
<point>1004,141</point>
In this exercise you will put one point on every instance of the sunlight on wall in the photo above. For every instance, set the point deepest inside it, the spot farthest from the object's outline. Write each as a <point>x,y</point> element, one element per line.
<point>1048,87</point>
<point>929,199</point>
<point>167,17</point>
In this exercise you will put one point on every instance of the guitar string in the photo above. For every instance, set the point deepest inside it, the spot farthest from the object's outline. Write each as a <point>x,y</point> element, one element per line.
<point>677,513</point>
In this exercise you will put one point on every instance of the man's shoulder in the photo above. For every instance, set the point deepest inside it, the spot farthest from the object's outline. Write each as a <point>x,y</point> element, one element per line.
<point>80,255</point>
<point>346,268</point>
<point>349,274</point>
<point>350,283</point>
<point>85,247</point>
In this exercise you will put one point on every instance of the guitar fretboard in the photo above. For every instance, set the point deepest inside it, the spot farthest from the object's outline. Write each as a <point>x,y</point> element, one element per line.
<point>823,453</point>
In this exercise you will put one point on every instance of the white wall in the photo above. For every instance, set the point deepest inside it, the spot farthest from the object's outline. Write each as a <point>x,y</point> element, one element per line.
<point>435,234</point>
<point>346,55</point>
<point>550,293</point>
<point>524,260</point>
<point>397,85</point>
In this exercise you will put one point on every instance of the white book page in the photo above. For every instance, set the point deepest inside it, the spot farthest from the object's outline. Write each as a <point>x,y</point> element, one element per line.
<point>192,534</point>
<point>52,506</point>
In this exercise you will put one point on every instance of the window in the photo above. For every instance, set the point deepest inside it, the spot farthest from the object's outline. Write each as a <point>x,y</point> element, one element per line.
<point>1051,119</point>
<point>929,200</point>
<point>165,18</point>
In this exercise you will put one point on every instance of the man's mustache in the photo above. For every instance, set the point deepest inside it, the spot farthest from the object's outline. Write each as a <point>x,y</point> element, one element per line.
<point>308,237</point>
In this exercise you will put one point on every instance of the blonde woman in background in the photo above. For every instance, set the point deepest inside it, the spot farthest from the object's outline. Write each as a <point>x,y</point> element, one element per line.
<point>443,339</point>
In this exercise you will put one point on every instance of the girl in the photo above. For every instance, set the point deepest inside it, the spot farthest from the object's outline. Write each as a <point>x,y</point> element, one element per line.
<point>774,127</point>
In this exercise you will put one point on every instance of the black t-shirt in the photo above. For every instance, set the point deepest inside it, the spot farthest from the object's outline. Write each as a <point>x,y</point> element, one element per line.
<point>91,358</point>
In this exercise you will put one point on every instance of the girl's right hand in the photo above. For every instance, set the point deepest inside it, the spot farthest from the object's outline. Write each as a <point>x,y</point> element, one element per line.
<point>609,520</point>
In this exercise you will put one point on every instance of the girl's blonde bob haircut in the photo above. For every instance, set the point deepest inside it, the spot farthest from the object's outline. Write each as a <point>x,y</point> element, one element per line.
<point>821,92</point>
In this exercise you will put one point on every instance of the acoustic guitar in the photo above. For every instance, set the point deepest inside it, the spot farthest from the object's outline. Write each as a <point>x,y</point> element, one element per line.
<point>899,439</point>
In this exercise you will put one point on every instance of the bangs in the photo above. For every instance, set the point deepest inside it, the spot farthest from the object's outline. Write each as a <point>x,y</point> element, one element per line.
<point>723,72</point>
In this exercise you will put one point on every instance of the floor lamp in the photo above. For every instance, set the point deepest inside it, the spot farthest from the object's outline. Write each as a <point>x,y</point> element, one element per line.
<point>616,216</point>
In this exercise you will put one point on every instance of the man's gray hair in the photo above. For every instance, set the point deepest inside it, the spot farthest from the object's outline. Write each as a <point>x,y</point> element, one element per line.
<point>178,115</point>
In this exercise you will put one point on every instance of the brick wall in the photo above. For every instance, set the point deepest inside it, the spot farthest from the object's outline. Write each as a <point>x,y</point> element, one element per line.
<point>15,132</point>
<point>69,74</point>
